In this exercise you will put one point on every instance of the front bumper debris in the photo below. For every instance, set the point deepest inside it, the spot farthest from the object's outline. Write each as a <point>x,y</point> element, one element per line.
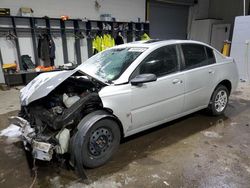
<point>40,150</point>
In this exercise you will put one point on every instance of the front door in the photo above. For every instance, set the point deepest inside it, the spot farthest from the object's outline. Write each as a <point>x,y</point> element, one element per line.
<point>155,102</point>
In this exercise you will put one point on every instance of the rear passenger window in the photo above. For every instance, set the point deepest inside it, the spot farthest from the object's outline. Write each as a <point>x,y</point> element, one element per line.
<point>196,55</point>
<point>210,56</point>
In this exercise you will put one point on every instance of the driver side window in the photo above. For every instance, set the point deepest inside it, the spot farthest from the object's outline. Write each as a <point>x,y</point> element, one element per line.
<point>161,62</point>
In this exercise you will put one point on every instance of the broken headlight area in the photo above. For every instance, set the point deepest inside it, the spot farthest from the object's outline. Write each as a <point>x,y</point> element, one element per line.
<point>41,146</point>
<point>49,122</point>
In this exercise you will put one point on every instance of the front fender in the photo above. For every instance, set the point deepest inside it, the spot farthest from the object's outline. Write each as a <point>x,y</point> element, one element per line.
<point>118,99</point>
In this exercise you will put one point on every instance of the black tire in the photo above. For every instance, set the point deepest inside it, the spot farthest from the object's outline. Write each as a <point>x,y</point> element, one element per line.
<point>107,134</point>
<point>214,108</point>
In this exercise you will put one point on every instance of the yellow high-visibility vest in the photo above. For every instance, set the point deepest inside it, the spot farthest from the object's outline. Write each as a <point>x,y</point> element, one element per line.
<point>108,41</point>
<point>145,37</point>
<point>97,44</point>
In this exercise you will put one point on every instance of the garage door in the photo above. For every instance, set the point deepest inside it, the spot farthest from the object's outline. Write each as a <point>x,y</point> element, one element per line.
<point>168,21</point>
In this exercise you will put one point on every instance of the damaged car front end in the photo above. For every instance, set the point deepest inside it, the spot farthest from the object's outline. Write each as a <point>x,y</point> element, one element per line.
<point>48,122</point>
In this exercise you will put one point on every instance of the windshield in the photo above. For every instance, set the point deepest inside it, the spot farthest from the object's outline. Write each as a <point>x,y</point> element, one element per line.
<point>110,64</point>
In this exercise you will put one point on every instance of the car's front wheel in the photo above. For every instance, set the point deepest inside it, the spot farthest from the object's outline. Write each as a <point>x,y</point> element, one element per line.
<point>98,143</point>
<point>219,101</point>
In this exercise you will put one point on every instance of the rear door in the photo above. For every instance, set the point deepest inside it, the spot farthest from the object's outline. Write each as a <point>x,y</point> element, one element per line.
<point>157,101</point>
<point>198,67</point>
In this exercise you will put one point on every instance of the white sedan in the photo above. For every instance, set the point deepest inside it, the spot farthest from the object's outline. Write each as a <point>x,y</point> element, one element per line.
<point>119,92</point>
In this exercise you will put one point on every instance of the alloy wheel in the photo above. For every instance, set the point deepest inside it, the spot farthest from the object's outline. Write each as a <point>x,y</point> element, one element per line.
<point>221,101</point>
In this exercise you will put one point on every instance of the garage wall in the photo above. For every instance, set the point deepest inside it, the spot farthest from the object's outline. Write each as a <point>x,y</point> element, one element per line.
<point>123,10</point>
<point>227,9</point>
<point>198,11</point>
<point>223,9</point>
<point>201,9</point>
<point>168,21</point>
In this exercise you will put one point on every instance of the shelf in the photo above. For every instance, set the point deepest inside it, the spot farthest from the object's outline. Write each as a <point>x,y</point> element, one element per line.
<point>82,20</point>
<point>20,78</point>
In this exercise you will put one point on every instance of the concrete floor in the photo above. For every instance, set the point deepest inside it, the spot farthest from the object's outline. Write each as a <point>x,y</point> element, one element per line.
<point>194,151</point>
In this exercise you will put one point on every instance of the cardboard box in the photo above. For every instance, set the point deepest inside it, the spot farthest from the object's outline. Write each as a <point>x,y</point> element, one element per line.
<point>26,11</point>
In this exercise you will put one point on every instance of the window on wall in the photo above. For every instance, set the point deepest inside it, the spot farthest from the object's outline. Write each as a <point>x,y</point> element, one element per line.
<point>196,55</point>
<point>161,62</point>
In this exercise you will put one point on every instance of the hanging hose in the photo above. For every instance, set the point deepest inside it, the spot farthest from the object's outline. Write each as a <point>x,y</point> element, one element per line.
<point>34,169</point>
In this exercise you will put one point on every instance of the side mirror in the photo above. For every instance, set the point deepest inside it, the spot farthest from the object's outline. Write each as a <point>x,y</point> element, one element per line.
<point>143,78</point>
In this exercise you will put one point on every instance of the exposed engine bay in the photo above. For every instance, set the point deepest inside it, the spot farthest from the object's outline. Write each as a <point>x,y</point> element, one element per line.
<point>49,122</point>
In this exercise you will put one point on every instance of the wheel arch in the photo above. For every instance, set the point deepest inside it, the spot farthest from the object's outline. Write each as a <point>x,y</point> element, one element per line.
<point>116,119</point>
<point>96,116</point>
<point>227,84</point>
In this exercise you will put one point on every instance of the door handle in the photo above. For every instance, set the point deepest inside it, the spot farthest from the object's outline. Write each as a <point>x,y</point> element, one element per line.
<point>211,71</point>
<point>177,81</point>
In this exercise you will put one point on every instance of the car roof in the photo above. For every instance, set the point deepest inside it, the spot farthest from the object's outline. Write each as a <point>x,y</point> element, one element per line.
<point>156,42</point>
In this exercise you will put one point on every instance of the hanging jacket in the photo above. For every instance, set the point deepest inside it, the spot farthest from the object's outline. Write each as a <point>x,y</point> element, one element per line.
<point>101,43</point>
<point>119,39</point>
<point>104,42</point>
<point>108,41</point>
<point>112,41</point>
<point>46,49</point>
<point>43,48</point>
<point>97,44</point>
<point>52,48</point>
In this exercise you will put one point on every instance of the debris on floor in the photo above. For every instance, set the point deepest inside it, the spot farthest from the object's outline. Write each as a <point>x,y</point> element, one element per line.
<point>211,134</point>
<point>12,131</point>
<point>166,183</point>
<point>102,183</point>
<point>4,87</point>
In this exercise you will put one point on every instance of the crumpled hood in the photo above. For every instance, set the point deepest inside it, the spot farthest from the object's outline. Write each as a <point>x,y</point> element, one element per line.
<point>42,85</point>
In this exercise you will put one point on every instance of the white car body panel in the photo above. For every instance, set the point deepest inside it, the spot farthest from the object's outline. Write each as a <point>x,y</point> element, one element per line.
<point>42,85</point>
<point>158,100</point>
<point>154,103</point>
<point>118,99</point>
<point>199,83</point>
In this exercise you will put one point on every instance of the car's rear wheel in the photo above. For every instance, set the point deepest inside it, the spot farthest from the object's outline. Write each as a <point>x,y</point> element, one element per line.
<point>219,101</point>
<point>99,143</point>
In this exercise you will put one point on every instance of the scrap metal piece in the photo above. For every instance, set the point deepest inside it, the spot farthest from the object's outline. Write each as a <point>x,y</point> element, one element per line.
<point>16,120</point>
<point>42,151</point>
<point>63,139</point>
